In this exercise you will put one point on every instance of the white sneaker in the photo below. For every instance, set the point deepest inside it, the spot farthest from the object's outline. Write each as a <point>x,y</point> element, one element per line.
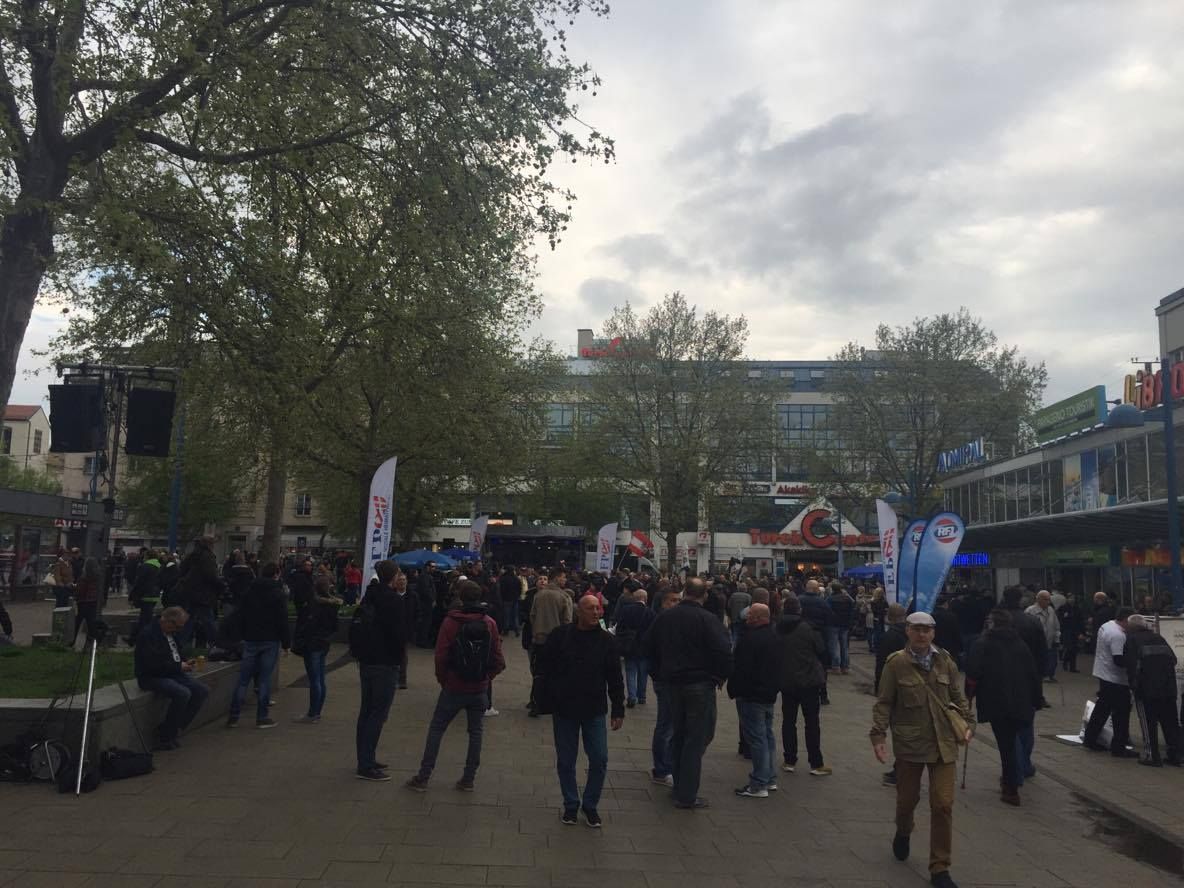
<point>788,768</point>
<point>490,712</point>
<point>668,780</point>
<point>753,792</point>
<point>772,787</point>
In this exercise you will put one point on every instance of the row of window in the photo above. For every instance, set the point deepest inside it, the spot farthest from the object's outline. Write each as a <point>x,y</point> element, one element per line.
<point>6,441</point>
<point>1128,472</point>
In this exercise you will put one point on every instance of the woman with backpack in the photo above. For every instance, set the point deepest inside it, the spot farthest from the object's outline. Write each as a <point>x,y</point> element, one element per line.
<point>314,636</point>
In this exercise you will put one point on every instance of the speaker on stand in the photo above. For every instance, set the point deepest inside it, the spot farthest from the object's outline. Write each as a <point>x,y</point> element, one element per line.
<point>149,421</point>
<point>76,419</point>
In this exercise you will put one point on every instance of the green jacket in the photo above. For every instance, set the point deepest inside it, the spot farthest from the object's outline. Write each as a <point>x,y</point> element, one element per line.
<point>921,732</point>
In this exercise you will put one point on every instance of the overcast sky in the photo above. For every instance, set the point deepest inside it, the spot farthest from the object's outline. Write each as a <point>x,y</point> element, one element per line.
<point>822,167</point>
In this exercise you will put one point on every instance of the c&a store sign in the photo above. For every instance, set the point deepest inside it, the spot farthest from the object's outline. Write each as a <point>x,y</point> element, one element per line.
<point>1144,389</point>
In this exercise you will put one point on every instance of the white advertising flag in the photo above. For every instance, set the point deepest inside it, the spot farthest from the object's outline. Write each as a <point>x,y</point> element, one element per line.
<point>889,546</point>
<point>376,535</point>
<point>477,534</point>
<point>606,546</point>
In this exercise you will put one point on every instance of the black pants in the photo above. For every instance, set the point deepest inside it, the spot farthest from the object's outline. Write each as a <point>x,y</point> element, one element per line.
<point>1006,732</point>
<point>692,713</point>
<point>1114,701</point>
<point>811,708</point>
<point>1069,657</point>
<point>1156,713</point>
<point>536,682</point>
<point>88,613</point>
<point>377,683</point>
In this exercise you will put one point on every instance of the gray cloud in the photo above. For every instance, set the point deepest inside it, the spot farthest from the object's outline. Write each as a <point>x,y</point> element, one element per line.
<point>602,295</point>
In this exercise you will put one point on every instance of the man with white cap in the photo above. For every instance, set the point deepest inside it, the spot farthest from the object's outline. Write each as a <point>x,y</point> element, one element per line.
<point>922,702</point>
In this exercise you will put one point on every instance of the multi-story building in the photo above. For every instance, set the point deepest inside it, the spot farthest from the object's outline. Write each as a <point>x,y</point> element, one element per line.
<point>25,436</point>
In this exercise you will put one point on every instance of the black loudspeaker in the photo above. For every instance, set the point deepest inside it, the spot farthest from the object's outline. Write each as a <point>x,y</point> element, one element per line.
<point>149,421</point>
<point>76,419</point>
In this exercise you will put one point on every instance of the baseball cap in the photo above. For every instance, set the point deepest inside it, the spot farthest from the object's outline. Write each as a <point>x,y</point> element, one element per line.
<point>919,618</point>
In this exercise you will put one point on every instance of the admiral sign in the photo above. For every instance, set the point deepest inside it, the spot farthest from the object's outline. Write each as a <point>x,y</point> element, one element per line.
<point>961,457</point>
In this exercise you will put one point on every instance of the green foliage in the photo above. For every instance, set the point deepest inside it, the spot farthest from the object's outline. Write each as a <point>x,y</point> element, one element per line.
<point>929,386</point>
<point>17,477</point>
<point>672,413</point>
<point>48,671</point>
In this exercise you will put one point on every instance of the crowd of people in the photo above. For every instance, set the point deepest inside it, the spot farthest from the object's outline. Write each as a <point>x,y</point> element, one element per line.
<point>599,646</point>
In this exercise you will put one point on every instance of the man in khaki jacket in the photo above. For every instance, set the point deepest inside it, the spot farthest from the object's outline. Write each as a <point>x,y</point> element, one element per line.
<point>552,607</point>
<point>917,685</point>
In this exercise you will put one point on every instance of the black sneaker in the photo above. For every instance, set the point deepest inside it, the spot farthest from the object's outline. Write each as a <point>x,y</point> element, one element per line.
<point>592,819</point>
<point>942,880</point>
<point>265,723</point>
<point>374,775</point>
<point>417,784</point>
<point>888,779</point>
<point>569,817</point>
<point>381,766</point>
<point>232,721</point>
<point>465,784</point>
<point>900,847</point>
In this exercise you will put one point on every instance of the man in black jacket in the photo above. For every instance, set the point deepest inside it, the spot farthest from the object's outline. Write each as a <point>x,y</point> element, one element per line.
<point>160,669</point>
<point>376,642</point>
<point>754,685</point>
<point>800,676</point>
<point>817,613</point>
<point>582,666</point>
<point>301,590</point>
<point>690,653</point>
<point>1031,632</point>
<point>1151,667</point>
<point>947,633</point>
<point>894,640</point>
<point>262,617</point>
<point>202,584</point>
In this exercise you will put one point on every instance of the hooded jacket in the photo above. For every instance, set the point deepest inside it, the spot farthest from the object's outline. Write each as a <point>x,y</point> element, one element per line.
<point>583,670</point>
<point>1003,677</point>
<point>446,674</point>
<point>802,650</point>
<point>756,673</point>
<point>263,613</point>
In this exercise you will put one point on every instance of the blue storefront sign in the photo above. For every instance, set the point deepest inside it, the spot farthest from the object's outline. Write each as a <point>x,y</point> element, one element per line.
<point>960,457</point>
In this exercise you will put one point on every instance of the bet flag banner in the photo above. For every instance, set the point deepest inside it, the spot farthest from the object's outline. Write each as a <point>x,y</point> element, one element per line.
<point>910,543</point>
<point>606,545</point>
<point>942,538</point>
<point>889,546</point>
<point>477,534</point>
<point>377,533</point>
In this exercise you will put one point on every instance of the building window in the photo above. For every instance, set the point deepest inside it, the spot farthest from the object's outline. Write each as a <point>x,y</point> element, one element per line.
<point>785,374</point>
<point>37,440</point>
<point>754,374</point>
<point>6,447</point>
<point>303,505</point>
<point>88,466</point>
<point>560,421</point>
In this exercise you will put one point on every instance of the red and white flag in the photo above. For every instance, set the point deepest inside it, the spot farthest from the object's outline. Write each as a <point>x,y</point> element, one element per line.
<point>640,544</point>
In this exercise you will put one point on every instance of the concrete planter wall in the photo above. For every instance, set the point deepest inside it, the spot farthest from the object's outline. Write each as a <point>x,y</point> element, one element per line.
<point>110,724</point>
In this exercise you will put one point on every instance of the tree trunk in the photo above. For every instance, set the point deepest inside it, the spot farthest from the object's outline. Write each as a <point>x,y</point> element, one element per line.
<point>26,249</point>
<point>273,514</point>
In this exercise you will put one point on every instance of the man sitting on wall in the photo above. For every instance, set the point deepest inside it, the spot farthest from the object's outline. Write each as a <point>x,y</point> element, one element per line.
<point>160,669</point>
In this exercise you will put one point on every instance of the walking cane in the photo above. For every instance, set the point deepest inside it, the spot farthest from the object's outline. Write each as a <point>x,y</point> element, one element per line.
<point>965,762</point>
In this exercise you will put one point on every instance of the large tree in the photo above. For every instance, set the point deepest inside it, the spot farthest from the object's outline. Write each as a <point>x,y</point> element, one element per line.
<point>924,388</point>
<point>88,86</point>
<point>671,412</point>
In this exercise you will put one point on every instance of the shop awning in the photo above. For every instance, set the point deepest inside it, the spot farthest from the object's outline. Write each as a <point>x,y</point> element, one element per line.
<point>1130,524</point>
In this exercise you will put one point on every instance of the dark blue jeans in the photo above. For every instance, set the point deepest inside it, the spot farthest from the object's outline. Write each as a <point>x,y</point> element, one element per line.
<point>378,692</point>
<point>663,734</point>
<point>200,618</point>
<point>756,722</point>
<point>448,706</point>
<point>185,694</point>
<point>839,638</point>
<point>636,671</point>
<point>1025,741</point>
<point>258,664</point>
<point>567,749</point>
<point>314,668</point>
<point>692,715</point>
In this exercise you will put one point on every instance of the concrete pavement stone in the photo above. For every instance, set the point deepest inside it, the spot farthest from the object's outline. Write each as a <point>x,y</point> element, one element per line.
<point>281,808</point>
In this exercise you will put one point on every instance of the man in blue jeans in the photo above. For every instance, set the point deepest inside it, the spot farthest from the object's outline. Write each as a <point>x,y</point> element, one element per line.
<point>690,654</point>
<point>160,669</point>
<point>663,727</point>
<point>754,685</point>
<point>583,672</point>
<point>262,616</point>
<point>468,656</point>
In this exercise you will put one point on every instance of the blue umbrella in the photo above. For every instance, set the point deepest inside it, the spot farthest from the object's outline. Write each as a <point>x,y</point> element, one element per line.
<point>865,571</point>
<point>461,554</point>
<point>420,557</point>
